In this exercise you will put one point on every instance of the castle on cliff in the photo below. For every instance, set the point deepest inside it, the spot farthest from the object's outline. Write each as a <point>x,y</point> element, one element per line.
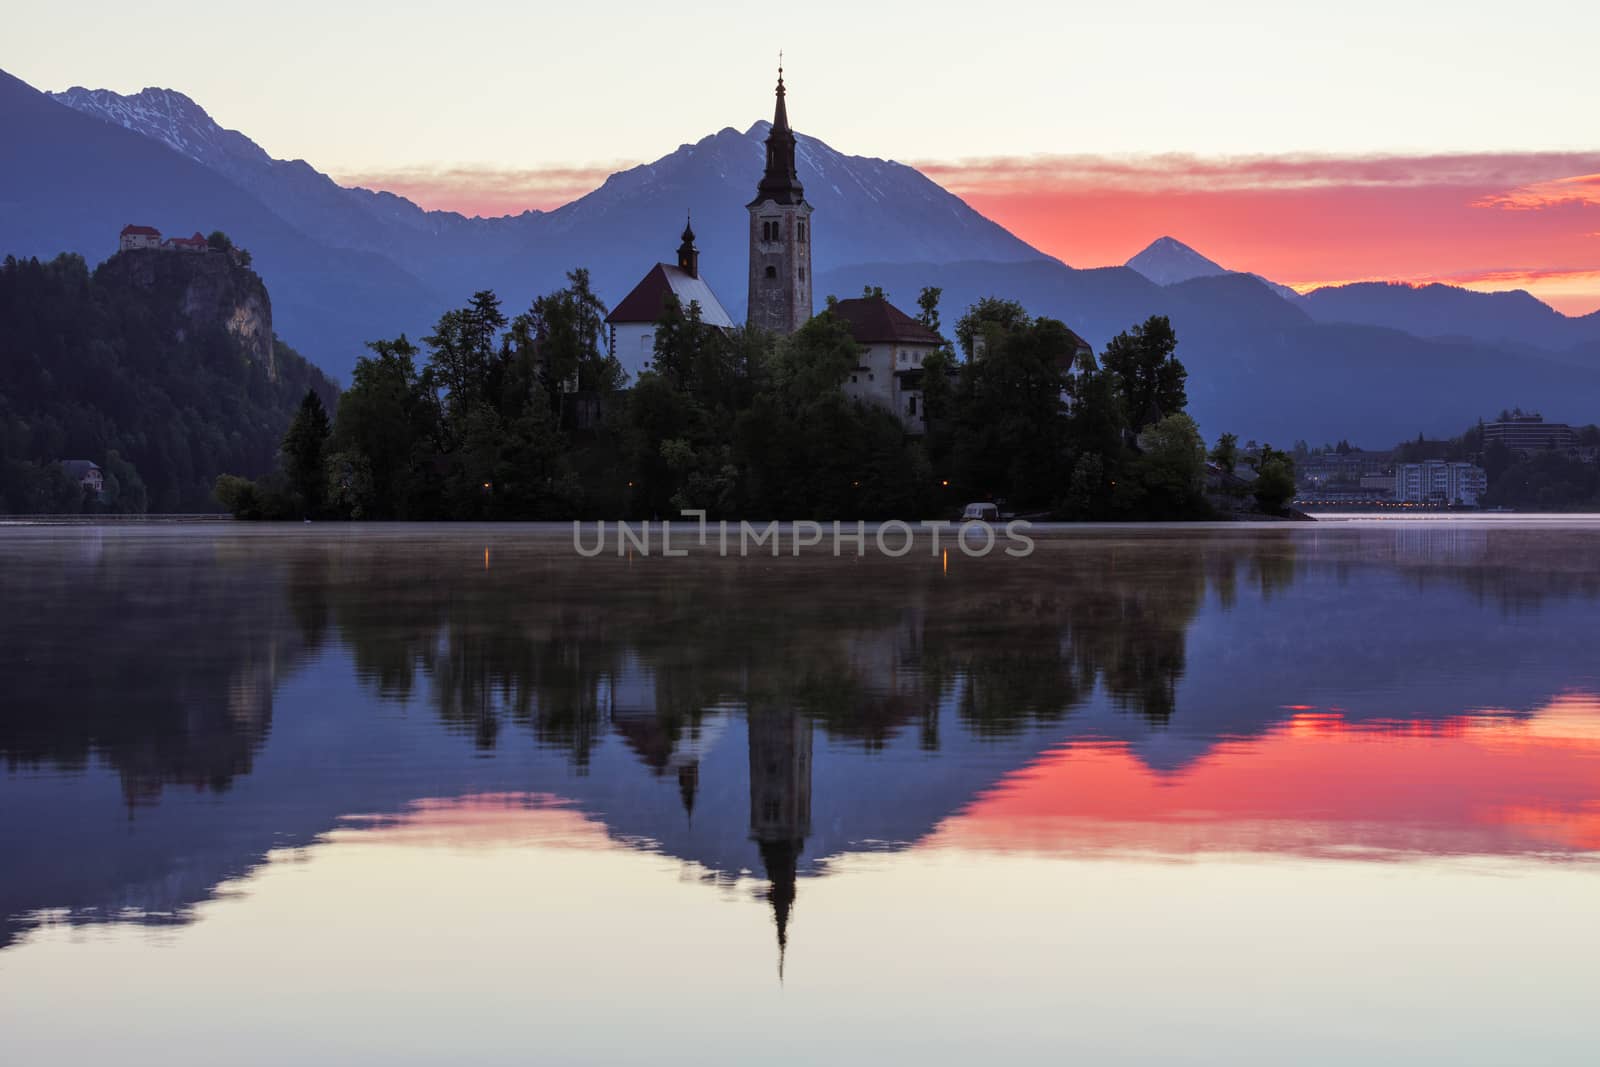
<point>134,238</point>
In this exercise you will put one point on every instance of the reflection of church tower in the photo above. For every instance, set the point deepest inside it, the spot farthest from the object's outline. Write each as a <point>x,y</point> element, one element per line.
<point>688,784</point>
<point>780,246</point>
<point>780,804</point>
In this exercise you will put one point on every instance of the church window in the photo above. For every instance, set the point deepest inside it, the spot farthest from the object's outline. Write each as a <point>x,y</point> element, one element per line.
<point>772,272</point>
<point>802,274</point>
<point>800,232</point>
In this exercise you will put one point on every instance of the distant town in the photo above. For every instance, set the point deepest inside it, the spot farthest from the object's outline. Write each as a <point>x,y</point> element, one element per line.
<point>1475,470</point>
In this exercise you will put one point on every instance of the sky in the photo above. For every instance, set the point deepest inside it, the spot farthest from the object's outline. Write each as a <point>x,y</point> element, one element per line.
<point>1311,144</point>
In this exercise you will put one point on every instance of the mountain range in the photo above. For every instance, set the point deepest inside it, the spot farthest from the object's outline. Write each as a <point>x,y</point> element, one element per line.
<point>1373,362</point>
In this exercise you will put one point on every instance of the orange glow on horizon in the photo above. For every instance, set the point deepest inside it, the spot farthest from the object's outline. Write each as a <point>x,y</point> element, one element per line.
<point>1485,221</point>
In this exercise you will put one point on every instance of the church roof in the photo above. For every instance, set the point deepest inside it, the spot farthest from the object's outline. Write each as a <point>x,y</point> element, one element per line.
<point>873,320</point>
<point>644,304</point>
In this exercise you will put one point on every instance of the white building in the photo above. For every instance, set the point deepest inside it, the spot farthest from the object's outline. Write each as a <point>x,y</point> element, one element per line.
<point>87,473</point>
<point>1437,481</point>
<point>890,372</point>
<point>632,336</point>
<point>134,237</point>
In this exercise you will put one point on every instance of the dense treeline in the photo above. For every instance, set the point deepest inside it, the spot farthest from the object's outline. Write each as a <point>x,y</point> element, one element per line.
<point>92,368</point>
<point>524,416</point>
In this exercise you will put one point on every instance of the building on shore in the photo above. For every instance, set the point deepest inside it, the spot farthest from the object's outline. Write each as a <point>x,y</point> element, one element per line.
<point>1439,482</point>
<point>88,475</point>
<point>1524,434</point>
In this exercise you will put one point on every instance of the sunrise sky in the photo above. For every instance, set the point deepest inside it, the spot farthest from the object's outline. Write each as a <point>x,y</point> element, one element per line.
<point>1311,144</point>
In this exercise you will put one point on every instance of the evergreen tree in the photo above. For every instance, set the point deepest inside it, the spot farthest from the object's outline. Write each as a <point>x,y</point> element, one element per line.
<point>303,452</point>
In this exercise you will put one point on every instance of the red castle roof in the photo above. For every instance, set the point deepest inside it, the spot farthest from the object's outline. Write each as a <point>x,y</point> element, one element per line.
<point>148,231</point>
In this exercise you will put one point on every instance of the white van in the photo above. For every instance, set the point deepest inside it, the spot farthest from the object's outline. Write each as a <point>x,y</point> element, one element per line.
<point>981,513</point>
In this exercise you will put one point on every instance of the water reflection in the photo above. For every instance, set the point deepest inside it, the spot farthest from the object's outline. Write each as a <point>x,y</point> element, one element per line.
<point>1319,692</point>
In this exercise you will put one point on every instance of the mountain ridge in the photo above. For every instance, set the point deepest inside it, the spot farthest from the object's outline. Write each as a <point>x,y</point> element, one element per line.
<point>879,222</point>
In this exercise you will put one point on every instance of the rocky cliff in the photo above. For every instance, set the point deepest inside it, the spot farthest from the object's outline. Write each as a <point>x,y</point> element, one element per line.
<point>201,292</point>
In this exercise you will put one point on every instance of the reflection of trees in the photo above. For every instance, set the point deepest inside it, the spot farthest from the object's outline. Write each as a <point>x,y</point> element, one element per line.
<point>159,658</point>
<point>570,650</point>
<point>162,655</point>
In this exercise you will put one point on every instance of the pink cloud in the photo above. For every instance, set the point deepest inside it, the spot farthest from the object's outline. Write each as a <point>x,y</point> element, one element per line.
<point>1190,173</point>
<point>486,190</point>
<point>1307,220</point>
<point>1582,189</point>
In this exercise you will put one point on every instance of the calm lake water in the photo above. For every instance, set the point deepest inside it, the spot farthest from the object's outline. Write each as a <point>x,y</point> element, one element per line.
<point>327,794</point>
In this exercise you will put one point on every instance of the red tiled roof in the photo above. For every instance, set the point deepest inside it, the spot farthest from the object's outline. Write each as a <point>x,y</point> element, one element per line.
<point>148,231</point>
<point>873,320</point>
<point>195,240</point>
<point>648,298</point>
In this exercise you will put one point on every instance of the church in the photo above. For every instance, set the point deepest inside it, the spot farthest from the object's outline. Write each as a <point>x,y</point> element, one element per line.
<point>779,295</point>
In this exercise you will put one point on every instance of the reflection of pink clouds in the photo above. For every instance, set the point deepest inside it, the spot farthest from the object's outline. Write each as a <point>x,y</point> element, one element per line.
<point>483,819</point>
<point>1318,785</point>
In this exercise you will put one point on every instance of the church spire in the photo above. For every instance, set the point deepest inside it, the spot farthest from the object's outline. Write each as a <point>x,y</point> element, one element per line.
<point>780,115</point>
<point>780,183</point>
<point>688,254</point>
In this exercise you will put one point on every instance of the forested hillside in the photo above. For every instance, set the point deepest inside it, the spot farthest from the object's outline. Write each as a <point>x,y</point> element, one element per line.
<point>161,367</point>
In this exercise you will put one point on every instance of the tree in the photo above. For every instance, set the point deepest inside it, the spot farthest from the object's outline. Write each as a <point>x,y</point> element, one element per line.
<point>1226,453</point>
<point>1170,470</point>
<point>928,302</point>
<point>125,491</point>
<point>303,448</point>
<point>987,320</point>
<point>1011,433</point>
<point>465,351</point>
<point>566,331</point>
<point>1148,379</point>
<point>218,241</point>
<point>388,420</point>
<point>1274,485</point>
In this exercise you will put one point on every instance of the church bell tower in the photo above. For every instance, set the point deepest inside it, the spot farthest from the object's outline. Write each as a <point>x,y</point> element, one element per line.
<point>780,235</point>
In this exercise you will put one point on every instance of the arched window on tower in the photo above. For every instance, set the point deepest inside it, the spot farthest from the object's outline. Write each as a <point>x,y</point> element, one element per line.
<point>772,272</point>
<point>800,232</point>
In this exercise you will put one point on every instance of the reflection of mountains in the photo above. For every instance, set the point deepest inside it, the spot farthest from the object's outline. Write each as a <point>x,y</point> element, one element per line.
<point>157,656</point>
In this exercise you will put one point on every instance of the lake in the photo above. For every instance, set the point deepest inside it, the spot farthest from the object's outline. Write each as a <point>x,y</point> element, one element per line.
<point>1292,793</point>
